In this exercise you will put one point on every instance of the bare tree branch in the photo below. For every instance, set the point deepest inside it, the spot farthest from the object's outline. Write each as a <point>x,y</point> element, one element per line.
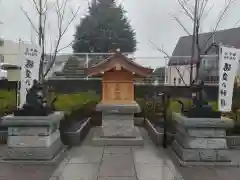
<point>206,13</point>
<point>44,23</point>
<point>60,11</point>
<point>51,43</point>
<point>180,23</point>
<point>236,24</point>
<point>36,5</point>
<point>202,13</point>
<point>159,49</point>
<point>45,7</point>
<point>64,47</point>
<point>63,7</point>
<point>228,3</point>
<point>222,14</point>
<point>201,9</point>
<point>186,10</point>
<point>29,19</point>
<point>167,55</point>
<point>70,22</point>
<point>181,75</point>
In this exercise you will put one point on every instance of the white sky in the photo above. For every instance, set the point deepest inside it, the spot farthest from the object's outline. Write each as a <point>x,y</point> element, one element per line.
<point>150,18</point>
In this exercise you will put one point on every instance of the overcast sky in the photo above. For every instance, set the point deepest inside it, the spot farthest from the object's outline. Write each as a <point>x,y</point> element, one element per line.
<point>149,18</point>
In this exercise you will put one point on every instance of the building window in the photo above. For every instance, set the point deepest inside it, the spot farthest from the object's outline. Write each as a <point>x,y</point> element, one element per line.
<point>179,80</point>
<point>174,81</point>
<point>203,63</point>
<point>1,58</point>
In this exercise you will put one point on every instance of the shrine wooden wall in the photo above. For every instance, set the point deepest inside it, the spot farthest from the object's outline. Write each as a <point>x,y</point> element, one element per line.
<point>117,87</point>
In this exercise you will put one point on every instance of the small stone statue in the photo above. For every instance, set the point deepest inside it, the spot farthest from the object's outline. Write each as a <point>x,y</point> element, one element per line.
<point>36,103</point>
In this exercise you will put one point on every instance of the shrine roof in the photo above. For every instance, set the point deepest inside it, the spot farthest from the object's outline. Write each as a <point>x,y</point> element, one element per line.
<point>115,60</point>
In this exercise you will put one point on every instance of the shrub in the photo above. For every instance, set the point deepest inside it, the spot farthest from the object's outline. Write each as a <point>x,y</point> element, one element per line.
<point>214,105</point>
<point>174,106</point>
<point>72,102</point>
<point>65,102</point>
<point>7,102</point>
<point>77,108</point>
<point>141,102</point>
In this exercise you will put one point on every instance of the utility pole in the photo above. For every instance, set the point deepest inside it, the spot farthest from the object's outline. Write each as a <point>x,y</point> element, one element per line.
<point>193,40</point>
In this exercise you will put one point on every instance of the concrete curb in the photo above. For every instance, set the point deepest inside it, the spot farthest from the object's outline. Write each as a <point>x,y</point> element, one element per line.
<point>157,137</point>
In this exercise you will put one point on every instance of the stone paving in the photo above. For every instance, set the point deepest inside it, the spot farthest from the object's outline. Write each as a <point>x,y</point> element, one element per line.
<point>88,162</point>
<point>25,172</point>
<point>208,172</point>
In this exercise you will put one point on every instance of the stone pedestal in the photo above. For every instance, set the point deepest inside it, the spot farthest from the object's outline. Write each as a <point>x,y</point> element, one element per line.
<point>118,125</point>
<point>33,137</point>
<point>201,141</point>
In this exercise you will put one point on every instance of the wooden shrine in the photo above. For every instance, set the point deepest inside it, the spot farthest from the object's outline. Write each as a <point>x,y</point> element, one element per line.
<point>117,104</point>
<point>118,73</point>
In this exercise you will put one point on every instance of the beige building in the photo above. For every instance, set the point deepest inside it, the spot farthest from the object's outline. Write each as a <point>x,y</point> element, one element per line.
<point>10,59</point>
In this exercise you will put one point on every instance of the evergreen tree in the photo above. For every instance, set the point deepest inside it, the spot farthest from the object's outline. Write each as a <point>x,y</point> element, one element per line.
<point>104,29</point>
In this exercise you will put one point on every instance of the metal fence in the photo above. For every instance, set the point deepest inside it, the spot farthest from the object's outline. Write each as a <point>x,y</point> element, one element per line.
<point>167,70</point>
<point>71,66</point>
<point>174,70</point>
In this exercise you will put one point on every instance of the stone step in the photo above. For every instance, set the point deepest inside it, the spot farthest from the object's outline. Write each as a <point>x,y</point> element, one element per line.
<point>80,71</point>
<point>74,68</point>
<point>70,73</point>
<point>73,72</point>
<point>70,76</point>
<point>73,65</point>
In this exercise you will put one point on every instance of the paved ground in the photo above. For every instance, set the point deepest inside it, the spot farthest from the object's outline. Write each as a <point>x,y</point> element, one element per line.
<point>25,172</point>
<point>88,162</point>
<point>209,173</point>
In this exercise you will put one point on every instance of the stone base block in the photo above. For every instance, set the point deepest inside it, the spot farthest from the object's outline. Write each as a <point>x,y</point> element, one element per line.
<point>233,142</point>
<point>33,141</point>
<point>124,128</point>
<point>118,108</point>
<point>198,163</point>
<point>201,155</point>
<point>101,140</point>
<point>207,132</point>
<point>57,159</point>
<point>201,142</point>
<point>138,121</point>
<point>33,153</point>
<point>120,125</point>
<point>218,123</point>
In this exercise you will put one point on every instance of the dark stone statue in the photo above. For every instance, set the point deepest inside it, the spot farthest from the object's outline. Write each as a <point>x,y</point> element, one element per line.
<point>200,107</point>
<point>36,102</point>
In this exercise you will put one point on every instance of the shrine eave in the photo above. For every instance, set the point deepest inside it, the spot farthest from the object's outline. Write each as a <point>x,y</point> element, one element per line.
<point>118,60</point>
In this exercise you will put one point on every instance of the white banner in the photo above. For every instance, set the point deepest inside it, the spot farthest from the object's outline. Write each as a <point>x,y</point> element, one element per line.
<point>29,68</point>
<point>228,65</point>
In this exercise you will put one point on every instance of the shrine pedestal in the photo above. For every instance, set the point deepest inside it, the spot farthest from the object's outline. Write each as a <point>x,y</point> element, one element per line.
<point>118,125</point>
<point>33,137</point>
<point>201,141</point>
